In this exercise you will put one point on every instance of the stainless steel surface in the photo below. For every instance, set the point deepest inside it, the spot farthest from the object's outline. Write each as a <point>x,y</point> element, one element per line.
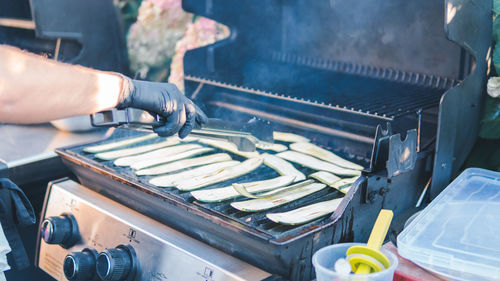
<point>217,129</point>
<point>470,26</point>
<point>118,117</point>
<point>22,144</point>
<point>162,253</point>
<point>244,142</point>
<point>295,123</point>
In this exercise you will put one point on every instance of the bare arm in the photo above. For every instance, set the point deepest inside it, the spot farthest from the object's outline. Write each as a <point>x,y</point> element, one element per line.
<point>34,89</point>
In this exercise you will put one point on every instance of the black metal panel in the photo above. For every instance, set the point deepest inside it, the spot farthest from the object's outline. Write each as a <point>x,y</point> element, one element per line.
<point>402,153</point>
<point>22,38</point>
<point>41,170</point>
<point>4,170</point>
<point>90,32</point>
<point>397,34</point>
<point>228,60</point>
<point>19,9</point>
<point>93,24</point>
<point>469,24</point>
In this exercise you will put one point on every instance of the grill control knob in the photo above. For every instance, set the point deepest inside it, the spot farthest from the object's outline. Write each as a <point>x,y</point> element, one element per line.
<point>116,264</point>
<point>79,266</point>
<point>62,230</point>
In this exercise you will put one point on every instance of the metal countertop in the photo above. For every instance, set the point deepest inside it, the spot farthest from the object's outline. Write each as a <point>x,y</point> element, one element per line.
<point>28,150</point>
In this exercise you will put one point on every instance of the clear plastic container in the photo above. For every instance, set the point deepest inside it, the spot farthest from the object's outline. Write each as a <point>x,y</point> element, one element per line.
<point>458,234</point>
<point>324,261</point>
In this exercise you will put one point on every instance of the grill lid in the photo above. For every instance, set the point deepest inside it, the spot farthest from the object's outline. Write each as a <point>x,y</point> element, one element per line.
<point>349,67</point>
<point>393,58</point>
<point>336,35</point>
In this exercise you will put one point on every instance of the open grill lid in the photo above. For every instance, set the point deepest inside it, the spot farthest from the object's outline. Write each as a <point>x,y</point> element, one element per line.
<point>399,35</point>
<point>379,60</point>
<point>344,68</point>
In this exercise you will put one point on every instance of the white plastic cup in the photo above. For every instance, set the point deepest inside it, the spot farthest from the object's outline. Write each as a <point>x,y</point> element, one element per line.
<point>324,261</point>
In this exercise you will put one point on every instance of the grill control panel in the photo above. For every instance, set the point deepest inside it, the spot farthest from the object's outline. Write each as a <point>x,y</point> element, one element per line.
<point>86,236</point>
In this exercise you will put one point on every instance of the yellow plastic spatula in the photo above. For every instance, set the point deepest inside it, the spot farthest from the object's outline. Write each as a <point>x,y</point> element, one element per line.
<point>368,259</point>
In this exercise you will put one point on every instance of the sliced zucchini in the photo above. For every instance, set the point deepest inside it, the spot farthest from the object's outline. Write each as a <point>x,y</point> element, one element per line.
<point>345,188</point>
<point>325,155</point>
<point>168,180</point>
<point>189,139</point>
<point>110,155</point>
<point>184,164</point>
<point>228,173</point>
<point>160,153</point>
<point>228,192</point>
<point>244,192</point>
<point>228,146</point>
<point>282,166</point>
<point>288,137</point>
<point>325,177</point>
<point>169,158</point>
<point>271,146</point>
<point>344,185</point>
<point>261,204</point>
<point>316,164</point>
<point>332,180</point>
<point>117,144</point>
<point>305,214</point>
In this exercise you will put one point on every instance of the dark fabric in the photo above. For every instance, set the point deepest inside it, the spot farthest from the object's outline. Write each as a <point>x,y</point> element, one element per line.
<point>15,209</point>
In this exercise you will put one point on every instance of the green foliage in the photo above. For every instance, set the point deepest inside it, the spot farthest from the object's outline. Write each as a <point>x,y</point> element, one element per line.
<point>485,154</point>
<point>486,151</point>
<point>490,124</point>
<point>496,34</point>
<point>496,38</point>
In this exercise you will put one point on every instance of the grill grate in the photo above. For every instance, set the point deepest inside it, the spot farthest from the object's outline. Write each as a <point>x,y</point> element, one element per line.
<point>384,99</point>
<point>257,220</point>
<point>414,78</point>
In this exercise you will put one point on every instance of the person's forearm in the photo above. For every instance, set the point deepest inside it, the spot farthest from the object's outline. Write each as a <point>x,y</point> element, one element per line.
<point>34,89</point>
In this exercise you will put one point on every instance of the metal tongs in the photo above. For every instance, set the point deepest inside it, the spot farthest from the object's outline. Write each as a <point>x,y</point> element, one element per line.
<point>244,136</point>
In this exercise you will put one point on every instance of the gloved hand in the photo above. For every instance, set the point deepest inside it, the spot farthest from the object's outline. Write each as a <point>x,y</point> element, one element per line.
<point>164,99</point>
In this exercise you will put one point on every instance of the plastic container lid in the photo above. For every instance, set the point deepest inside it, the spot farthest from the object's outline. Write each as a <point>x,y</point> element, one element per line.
<point>458,234</point>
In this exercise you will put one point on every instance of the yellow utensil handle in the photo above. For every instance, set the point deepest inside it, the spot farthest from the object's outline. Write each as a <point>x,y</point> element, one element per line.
<point>380,229</point>
<point>363,269</point>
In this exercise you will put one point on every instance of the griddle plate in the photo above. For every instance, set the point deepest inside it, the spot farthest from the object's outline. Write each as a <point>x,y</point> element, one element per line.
<point>257,221</point>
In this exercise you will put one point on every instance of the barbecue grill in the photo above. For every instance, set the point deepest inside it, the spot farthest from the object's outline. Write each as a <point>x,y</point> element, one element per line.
<point>378,83</point>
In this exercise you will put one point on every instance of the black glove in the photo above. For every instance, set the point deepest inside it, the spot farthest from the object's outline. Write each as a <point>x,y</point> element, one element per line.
<point>164,99</point>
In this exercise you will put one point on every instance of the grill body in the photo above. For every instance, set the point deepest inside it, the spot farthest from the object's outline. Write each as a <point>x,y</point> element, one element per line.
<point>281,250</point>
